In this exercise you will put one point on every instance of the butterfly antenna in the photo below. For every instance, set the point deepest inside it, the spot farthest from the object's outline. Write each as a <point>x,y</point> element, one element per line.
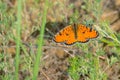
<point>49,31</point>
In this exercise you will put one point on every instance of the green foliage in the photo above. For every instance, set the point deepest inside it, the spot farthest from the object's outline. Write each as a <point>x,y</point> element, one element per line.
<point>2,64</point>
<point>75,16</point>
<point>87,66</point>
<point>7,77</point>
<point>110,37</point>
<point>74,68</point>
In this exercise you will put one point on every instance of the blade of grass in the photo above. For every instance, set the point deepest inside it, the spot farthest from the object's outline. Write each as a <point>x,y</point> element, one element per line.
<point>18,29</point>
<point>40,43</point>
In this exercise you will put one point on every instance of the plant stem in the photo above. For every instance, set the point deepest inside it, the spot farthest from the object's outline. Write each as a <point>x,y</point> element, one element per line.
<point>40,43</point>
<point>18,30</point>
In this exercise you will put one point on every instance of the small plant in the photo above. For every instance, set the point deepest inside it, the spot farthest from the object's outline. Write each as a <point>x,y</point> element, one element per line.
<point>87,67</point>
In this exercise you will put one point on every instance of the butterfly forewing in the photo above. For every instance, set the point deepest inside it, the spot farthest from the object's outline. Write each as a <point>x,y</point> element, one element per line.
<point>81,33</point>
<point>66,35</point>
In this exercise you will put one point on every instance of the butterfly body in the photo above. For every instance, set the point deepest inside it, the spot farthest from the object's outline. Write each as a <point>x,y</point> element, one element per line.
<point>75,33</point>
<point>75,30</point>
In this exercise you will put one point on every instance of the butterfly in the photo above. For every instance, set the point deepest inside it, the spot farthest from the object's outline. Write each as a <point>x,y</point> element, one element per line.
<point>75,33</point>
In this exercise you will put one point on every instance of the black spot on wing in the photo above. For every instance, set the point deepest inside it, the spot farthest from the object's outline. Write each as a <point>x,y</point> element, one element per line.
<point>67,34</point>
<point>60,33</point>
<point>83,32</point>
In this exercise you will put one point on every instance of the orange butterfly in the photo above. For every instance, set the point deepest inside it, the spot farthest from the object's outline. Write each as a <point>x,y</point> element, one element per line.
<point>75,33</point>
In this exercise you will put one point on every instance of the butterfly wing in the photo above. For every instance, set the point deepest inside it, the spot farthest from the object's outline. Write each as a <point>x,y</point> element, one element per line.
<point>85,33</point>
<point>66,35</point>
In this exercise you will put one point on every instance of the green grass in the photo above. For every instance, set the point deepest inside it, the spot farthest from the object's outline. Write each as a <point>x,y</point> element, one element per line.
<point>40,43</point>
<point>87,66</point>
<point>18,40</point>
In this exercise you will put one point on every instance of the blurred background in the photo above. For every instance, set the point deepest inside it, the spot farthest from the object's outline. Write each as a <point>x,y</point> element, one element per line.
<point>96,60</point>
